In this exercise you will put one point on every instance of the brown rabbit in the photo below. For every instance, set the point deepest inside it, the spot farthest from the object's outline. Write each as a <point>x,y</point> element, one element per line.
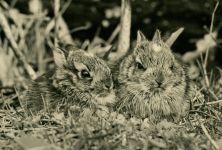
<point>152,82</point>
<point>79,79</point>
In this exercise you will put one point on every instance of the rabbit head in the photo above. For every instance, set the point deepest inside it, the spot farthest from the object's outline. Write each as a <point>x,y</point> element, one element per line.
<point>153,82</point>
<point>82,76</point>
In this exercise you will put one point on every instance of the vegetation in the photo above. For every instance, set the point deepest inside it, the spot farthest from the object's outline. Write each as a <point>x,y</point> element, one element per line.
<point>27,38</point>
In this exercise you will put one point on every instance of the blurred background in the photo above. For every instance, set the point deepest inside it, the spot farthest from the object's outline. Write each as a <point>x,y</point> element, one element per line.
<point>30,23</point>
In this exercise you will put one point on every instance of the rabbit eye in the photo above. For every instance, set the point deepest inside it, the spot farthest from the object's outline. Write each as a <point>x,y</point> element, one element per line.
<point>85,74</point>
<point>139,66</point>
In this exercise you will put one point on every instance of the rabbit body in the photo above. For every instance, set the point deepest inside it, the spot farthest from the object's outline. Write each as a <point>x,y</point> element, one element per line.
<point>152,82</point>
<point>79,79</point>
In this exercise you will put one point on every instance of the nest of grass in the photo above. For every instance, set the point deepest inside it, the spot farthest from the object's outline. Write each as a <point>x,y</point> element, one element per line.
<point>25,52</point>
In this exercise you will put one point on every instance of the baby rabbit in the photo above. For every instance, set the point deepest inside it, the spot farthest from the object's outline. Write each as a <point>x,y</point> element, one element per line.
<point>152,82</point>
<point>79,79</point>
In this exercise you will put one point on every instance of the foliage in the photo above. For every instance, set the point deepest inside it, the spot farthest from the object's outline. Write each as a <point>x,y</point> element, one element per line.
<point>89,129</point>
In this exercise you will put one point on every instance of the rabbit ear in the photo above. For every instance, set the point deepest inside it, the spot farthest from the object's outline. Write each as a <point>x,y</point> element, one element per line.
<point>60,57</point>
<point>157,36</point>
<point>174,36</point>
<point>140,37</point>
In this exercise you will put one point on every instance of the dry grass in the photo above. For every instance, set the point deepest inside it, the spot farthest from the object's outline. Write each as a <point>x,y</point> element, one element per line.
<point>26,44</point>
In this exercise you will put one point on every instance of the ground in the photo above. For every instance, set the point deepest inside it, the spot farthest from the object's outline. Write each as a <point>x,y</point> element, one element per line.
<point>25,51</point>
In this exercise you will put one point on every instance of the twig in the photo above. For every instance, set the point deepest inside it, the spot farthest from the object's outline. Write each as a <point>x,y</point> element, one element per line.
<point>207,52</point>
<point>114,34</point>
<point>21,58</point>
<point>56,14</point>
<point>65,6</point>
<point>214,37</point>
<point>45,104</point>
<point>197,93</point>
<point>98,31</point>
<point>213,16</point>
<point>209,103</point>
<point>213,94</point>
<point>80,28</point>
<point>63,33</point>
<point>58,21</point>
<point>209,137</point>
<point>20,99</point>
<point>204,66</point>
<point>199,111</point>
<point>189,56</point>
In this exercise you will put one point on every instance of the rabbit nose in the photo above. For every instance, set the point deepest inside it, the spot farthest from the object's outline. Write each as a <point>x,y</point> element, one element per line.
<point>160,78</point>
<point>108,85</point>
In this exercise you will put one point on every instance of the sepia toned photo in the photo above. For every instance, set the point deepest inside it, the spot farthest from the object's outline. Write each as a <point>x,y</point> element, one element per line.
<point>110,75</point>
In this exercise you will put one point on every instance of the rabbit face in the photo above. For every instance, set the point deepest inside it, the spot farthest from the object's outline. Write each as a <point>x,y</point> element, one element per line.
<point>85,73</point>
<point>152,82</point>
<point>157,72</point>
